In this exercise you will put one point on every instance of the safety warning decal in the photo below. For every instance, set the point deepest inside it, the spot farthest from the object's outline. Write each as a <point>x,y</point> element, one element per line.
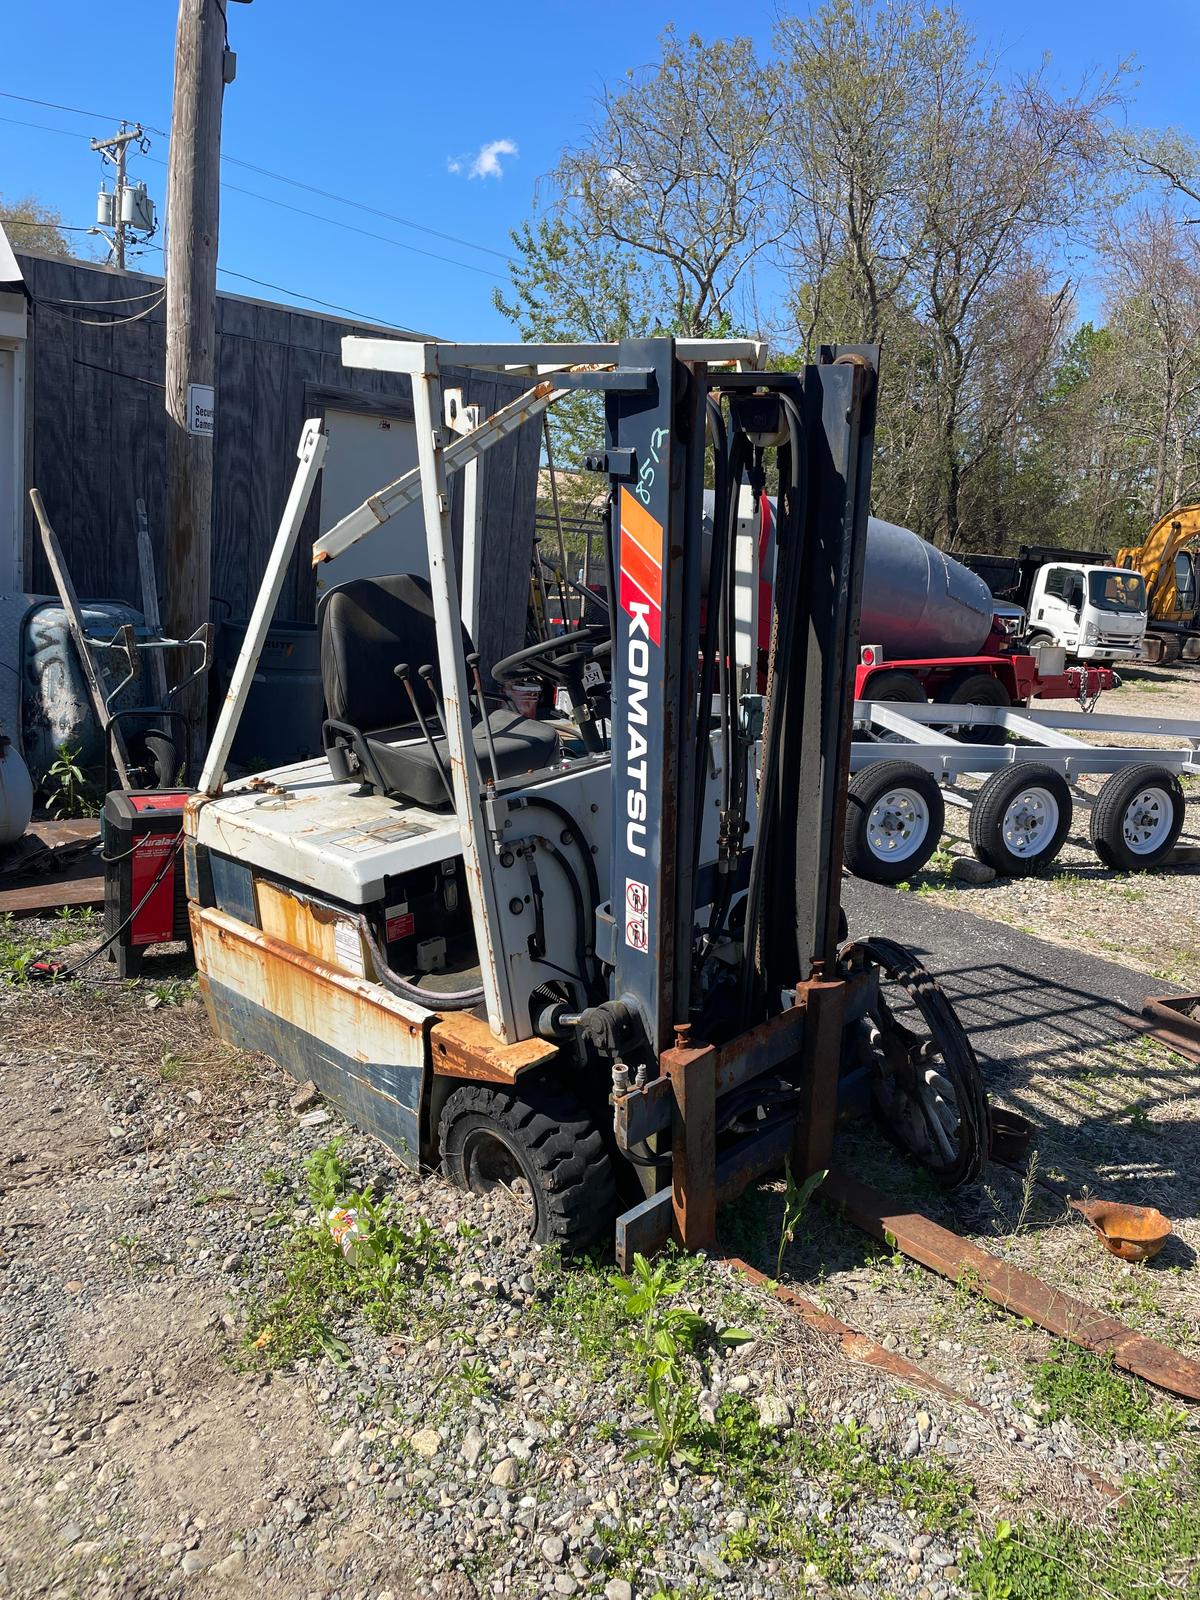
<point>637,914</point>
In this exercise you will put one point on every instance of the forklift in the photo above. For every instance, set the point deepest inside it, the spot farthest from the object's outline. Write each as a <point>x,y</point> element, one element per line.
<point>589,946</point>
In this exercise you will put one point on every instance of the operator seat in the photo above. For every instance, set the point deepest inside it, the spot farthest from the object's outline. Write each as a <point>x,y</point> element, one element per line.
<point>368,626</point>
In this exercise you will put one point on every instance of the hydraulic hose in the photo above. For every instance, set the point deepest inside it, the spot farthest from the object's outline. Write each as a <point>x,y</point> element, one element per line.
<point>791,536</point>
<point>431,999</point>
<point>564,816</point>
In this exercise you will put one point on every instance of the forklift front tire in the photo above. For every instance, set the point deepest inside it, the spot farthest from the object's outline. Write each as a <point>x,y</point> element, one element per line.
<point>540,1144</point>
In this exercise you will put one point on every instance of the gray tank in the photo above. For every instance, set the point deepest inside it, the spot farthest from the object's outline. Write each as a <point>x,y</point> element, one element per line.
<point>917,601</point>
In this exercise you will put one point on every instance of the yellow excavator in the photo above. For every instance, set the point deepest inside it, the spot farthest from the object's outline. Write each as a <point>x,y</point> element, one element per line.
<point>1168,569</point>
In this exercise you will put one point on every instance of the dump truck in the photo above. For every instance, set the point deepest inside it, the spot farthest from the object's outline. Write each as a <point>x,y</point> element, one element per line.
<point>1080,600</point>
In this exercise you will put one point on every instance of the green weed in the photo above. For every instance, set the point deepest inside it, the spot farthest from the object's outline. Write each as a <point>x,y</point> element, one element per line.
<point>1085,1387</point>
<point>1149,1554</point>
<point>318,1284</point>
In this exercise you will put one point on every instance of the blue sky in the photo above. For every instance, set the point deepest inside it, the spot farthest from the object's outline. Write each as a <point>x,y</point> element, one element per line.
<point>374,100</point>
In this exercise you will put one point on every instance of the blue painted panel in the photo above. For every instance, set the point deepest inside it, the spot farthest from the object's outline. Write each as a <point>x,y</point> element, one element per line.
<point>379,1097</point>
<point>233,885</point>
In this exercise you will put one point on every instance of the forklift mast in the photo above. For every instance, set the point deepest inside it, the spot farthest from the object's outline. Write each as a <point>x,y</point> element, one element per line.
<point>657,423</point>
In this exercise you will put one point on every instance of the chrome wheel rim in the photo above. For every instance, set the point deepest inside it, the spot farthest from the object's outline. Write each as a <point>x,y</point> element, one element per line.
<point>1147,822</point>
<point>898,825</point>
<point>1030,822</point>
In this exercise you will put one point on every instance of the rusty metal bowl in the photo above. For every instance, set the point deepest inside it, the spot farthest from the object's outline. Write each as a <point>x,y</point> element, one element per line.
<point>1135,1233</point>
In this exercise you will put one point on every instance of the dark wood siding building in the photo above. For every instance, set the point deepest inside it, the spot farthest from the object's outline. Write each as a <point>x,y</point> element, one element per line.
<point>95,439</point>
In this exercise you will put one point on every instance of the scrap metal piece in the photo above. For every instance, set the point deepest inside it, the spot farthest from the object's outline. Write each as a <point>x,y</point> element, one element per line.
<point>1175,1022</point>
<point>1007,1286</point>
<point>860,1347</point>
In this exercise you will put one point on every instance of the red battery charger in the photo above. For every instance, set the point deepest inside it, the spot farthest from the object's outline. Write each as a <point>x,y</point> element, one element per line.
<point>145,902</point>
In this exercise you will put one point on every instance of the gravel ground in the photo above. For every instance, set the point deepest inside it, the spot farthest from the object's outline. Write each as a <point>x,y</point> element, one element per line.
<point>483,1442</point>
<point>1150,921</point>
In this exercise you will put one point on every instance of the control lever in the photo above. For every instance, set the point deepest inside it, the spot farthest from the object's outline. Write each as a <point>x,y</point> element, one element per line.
<point>402,673</point>
<point>473,663</point>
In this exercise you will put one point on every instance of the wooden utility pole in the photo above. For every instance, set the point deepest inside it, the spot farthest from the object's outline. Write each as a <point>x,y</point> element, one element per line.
<point>193,205</point>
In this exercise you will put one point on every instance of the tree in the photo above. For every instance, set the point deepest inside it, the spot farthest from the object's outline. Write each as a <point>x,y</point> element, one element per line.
<point>935,199</point>
<point>31,225</point>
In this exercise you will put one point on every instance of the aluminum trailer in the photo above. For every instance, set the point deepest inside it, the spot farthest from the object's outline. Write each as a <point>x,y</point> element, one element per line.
<point>1022,814</point>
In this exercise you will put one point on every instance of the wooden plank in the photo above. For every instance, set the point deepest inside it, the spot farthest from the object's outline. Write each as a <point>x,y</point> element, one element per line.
<point>926,1241</point>
<point>70,602</point>
<point>51,894</point>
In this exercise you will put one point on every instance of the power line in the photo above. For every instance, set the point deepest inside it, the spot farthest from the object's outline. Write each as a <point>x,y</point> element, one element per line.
<point>53,105</point>
<point>278,177</point>
<point>333,222</point>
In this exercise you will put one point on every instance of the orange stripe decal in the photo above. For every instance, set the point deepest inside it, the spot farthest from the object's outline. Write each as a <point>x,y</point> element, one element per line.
<point>637,524</point>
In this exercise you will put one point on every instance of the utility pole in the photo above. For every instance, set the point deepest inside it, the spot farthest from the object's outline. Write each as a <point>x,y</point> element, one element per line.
<point>193,204</point>
<point>128,210</point>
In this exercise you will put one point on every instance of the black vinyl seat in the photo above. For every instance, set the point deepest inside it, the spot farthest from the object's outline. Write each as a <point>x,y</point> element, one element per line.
<point>368,626</point>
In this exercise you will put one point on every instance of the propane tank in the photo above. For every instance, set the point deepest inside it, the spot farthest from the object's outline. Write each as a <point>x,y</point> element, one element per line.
<point>16,793</point>
<point>917,602</point>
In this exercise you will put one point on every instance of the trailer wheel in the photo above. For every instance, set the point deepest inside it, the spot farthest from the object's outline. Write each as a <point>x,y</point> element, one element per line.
<point>979,689</point>
<point>894,818</point>
<point>1137,818</point>
<point>895,688</point>
<point>541,1145</point>
<point>926,1083</point>
<point>1020,819</point>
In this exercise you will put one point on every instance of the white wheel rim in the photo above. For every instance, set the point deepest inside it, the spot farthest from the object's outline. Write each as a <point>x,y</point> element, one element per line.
<point>1030,822</point>
<point>1147,822</point>
<point>898,825</point>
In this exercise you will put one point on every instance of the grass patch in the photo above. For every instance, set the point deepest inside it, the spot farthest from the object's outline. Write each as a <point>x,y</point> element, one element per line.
<point>20,946</point>
<point>374,1271</point>
<point>1149,1553</point>
<point>1075,1383</point>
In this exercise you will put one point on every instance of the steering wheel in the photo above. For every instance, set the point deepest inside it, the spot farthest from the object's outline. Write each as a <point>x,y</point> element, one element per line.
<point>560,659</point>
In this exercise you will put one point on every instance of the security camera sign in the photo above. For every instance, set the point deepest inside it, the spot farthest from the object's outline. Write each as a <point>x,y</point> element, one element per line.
<point>637,914</point>
<point>201,409</point>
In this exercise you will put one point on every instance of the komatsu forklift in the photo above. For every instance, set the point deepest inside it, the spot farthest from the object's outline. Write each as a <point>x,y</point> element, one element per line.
<point>587,944</point>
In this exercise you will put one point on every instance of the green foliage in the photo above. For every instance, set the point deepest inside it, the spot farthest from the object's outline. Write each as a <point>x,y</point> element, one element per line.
<point>1085,1387</point>
<point>795,1203</point>
<point>69,790</point>
<point>20,946</point>
<point>1149,1552</point>
<point>318,1283</point>
<point>34,225</point>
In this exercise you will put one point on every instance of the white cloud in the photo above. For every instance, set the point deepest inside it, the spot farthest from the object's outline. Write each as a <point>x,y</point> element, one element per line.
<point>485,163</point>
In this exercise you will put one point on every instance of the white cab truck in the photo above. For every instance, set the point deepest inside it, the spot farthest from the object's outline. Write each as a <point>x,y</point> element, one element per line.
<point>1073,598</point>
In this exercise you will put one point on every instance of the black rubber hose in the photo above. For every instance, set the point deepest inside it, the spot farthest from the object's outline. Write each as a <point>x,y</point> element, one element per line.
<point>720,597</point>
<point>793,498</point>
<point>581,939</point>
<point>431,999</point>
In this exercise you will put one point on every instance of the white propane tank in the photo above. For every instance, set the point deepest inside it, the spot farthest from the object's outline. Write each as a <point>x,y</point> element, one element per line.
<point>16,793</point>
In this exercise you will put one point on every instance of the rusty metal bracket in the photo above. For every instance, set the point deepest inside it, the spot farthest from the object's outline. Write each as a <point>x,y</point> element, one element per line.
<point>1007,1286</point>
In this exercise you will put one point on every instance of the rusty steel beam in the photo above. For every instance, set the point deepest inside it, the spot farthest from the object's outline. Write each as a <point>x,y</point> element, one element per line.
<point>1007,1286</point>
<point>862,1348</point>
<point>693,1079</point>
<point>1175,1021</point>
<point>821,1064</point>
